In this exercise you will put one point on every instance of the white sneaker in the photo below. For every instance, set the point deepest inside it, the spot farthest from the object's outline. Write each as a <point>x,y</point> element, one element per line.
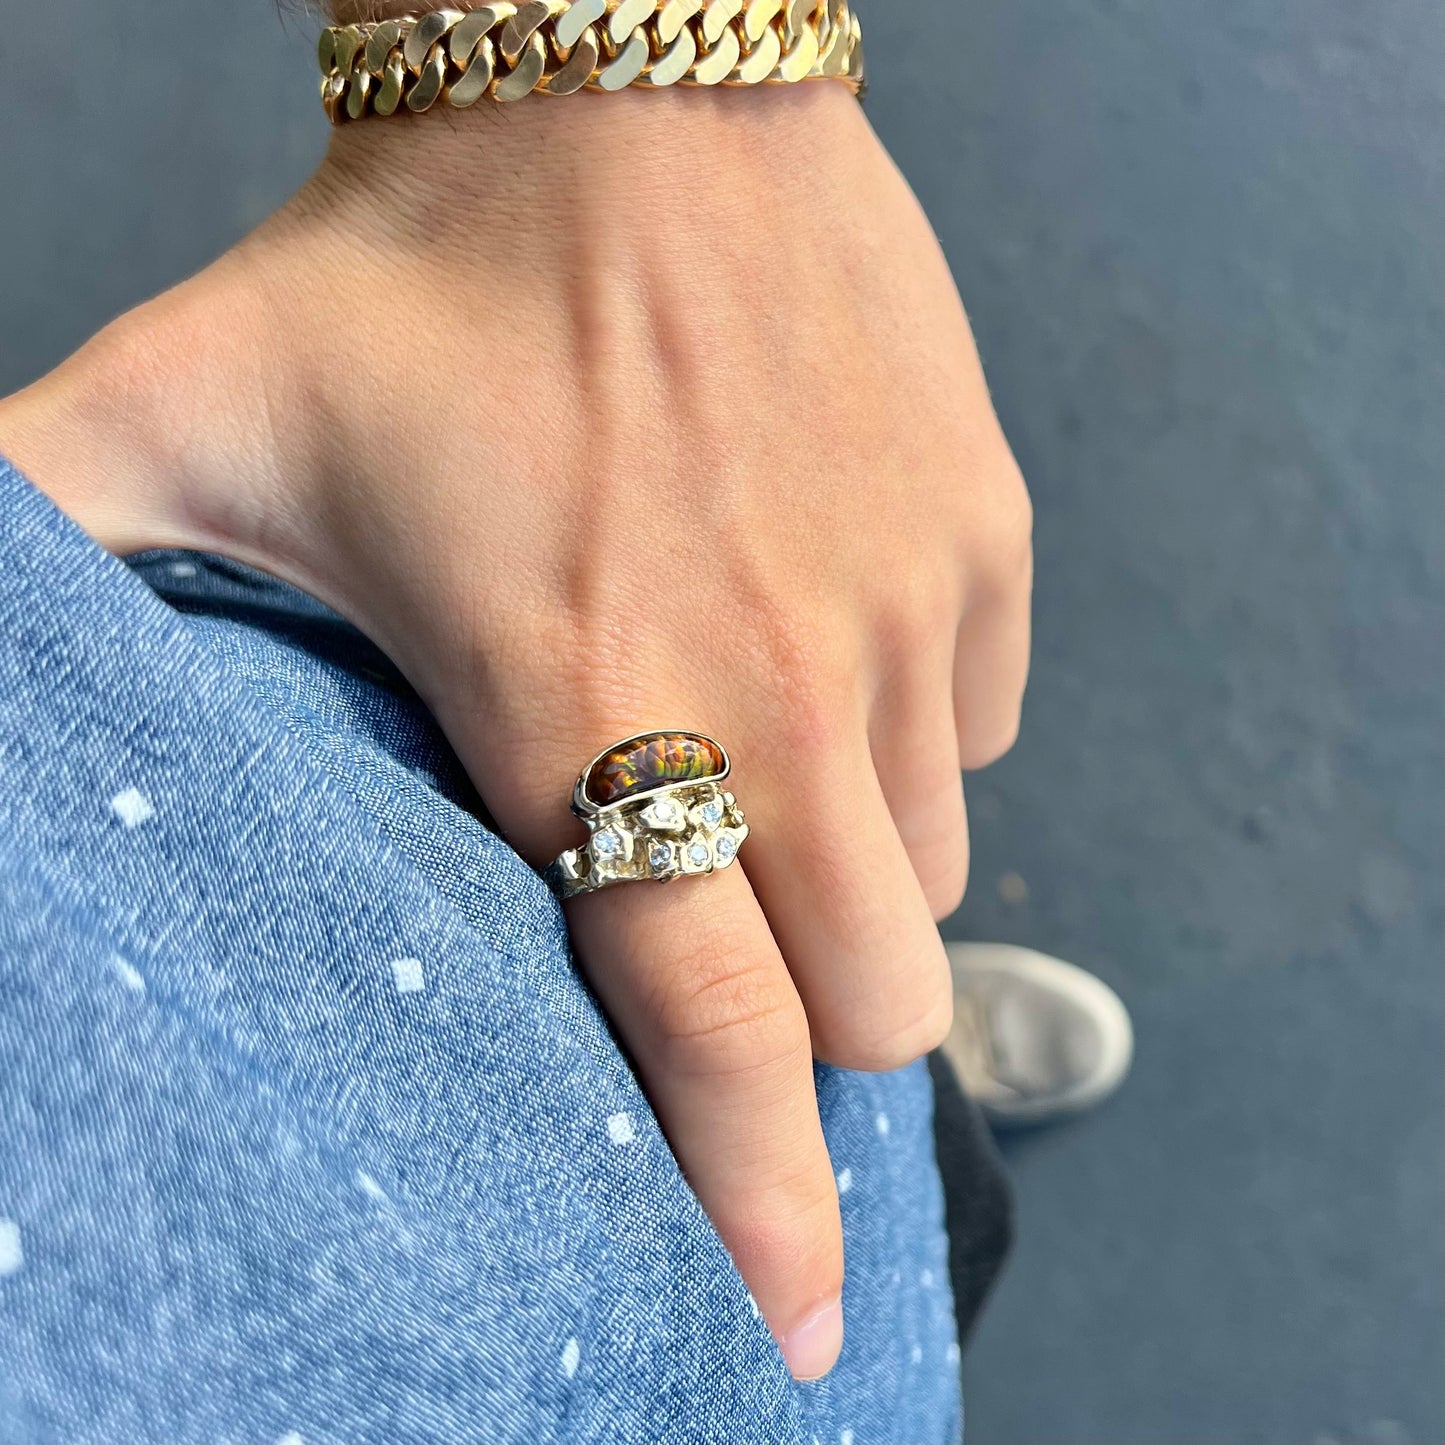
<point>1034,1038</point>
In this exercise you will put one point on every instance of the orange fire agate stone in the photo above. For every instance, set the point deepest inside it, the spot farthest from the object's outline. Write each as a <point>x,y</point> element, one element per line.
<point>651,762</point>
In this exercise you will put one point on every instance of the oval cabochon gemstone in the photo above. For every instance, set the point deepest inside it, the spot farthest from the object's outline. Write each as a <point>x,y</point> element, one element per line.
<point>651,762</point>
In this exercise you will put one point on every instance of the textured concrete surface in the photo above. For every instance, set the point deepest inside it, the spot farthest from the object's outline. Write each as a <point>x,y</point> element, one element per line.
<point>1201,246</point>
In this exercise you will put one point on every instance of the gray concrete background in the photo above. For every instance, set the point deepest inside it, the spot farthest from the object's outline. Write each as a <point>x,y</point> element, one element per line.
<point>1202,249</point>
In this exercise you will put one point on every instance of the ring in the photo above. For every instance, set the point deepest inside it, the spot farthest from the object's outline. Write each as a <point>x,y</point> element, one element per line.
<point>655,807</point>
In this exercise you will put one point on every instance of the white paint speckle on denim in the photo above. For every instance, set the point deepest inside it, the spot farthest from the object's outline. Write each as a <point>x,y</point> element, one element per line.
<point>12,1256</point>
<point>409,975</point>
<point>368,1185</point>
<point>881,1124</point>
<point>128,974</point>
<point>132,807</point>
<point>619,1128</point>
<point>571,1358</point>
<point>845,1180</point>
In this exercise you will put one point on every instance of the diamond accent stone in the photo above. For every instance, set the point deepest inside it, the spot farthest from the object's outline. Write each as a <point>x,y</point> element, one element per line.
<point>697,854</point>
<point>606,845</point>
<point>660,857</point>
<point>711,812</point>
<point>665,814</point>
<point>727,846</point>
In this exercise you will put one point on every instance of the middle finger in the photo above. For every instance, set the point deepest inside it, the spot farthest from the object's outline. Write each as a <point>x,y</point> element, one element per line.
<point>845,905</point>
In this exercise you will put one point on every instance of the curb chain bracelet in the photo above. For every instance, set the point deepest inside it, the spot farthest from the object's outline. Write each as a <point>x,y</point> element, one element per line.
<point>503,51</point>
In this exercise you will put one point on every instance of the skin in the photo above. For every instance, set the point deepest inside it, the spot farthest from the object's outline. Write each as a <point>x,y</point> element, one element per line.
<point>612,413</point>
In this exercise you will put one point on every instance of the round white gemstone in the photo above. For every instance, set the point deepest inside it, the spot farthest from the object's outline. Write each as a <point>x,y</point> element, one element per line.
<point>697,854</point>
<point>666,815</point>
<point>727,845</point>
<point>660,856</point>
<point>607,844</point>
<point>711,812</point>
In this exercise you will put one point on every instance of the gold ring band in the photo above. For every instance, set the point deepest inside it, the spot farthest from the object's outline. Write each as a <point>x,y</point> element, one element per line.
<point>503,51</point>
<point>655,808</point>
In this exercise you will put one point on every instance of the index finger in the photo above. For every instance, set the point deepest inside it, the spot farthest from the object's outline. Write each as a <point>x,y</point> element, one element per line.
<point>691,978</point>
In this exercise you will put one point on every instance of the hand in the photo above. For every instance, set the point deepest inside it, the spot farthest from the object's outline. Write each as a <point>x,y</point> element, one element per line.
<point>609,414</point>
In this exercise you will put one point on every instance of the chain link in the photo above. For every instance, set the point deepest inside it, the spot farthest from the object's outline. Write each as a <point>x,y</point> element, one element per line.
<point>504,51</point>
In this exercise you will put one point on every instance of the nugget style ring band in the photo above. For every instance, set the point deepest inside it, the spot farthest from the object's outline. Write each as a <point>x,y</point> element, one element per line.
<point>504,51</point>
<point>655,807</point>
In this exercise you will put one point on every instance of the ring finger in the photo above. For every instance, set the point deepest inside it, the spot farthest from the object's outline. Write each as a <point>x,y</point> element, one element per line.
<point>694,983</point>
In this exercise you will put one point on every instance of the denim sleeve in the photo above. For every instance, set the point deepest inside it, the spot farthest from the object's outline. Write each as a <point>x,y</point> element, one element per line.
<point>309,1130</point>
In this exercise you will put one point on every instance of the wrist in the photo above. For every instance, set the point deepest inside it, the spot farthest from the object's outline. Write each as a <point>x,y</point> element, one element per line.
<point>544,171</point>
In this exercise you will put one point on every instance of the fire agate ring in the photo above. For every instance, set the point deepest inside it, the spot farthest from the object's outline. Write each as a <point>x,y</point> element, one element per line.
<point>655,808</point>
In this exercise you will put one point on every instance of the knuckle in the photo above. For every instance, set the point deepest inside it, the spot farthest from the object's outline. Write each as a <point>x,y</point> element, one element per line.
<point>933,828</point>
<point>946,885</point>
<point>896,1044</point>
<point>1009,534</point>
<point>981,749</point>
<point>924,1033</point>
<point>941,868</point>
<point>1021,518</point>
<point>803,663</point>
<point>809,721</point>
<point>728,1012</point>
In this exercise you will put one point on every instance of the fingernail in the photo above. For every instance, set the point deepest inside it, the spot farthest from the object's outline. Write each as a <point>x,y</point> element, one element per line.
<point>811,1348</point>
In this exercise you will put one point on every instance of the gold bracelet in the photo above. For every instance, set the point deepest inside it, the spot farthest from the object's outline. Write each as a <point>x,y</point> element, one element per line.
<point>504,51</point>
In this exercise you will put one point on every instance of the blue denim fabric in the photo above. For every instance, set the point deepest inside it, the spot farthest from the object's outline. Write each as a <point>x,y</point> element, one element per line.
<point>308,1128</point>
